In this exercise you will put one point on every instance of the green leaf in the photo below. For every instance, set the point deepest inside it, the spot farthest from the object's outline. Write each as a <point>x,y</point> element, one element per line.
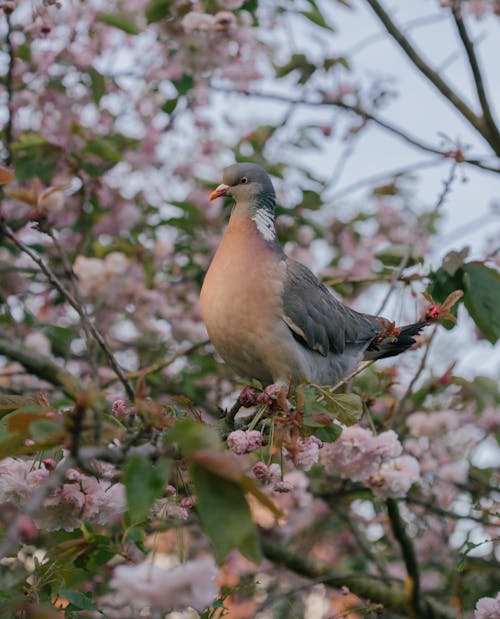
<point>120,21</point>
<point>169,106</point>
<point>35,157</point>
<point>346,407</point>
<point>300,63</point>
<point>23,51</point>
<point>192,436</point>
<point>79,600</point>
<point>105,149</point>
<point>328,434</point>
<point>184,84</point>
<point>97,85</point>
<point>144,483</point>
<point>482,298</point>
<point>310,200</point>
<point>157,10</point>
<point>316,16</point>
<point>225,515</point>
<point>46,430</point>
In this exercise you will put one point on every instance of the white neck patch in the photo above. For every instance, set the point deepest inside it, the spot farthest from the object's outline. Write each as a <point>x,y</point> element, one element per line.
<point>264,220</point>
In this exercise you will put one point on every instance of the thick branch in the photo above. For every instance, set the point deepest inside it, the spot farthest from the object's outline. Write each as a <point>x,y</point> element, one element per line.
<point>434,78</point>
<point>408,552</point>
<point>41,366</point>
<point>391,598</point>
<point>476,74</point>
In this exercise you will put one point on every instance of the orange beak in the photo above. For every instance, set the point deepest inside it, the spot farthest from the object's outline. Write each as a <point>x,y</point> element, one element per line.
<point>220,191</point>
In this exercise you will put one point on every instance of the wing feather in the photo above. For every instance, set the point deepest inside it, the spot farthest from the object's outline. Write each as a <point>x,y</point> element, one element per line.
<point>318,319</point>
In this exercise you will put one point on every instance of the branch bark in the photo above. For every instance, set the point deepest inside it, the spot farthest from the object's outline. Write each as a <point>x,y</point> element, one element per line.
<point>42,366</point>
<point>476,73</point>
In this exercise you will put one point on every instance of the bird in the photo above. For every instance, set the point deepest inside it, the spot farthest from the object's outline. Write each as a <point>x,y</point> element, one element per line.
<point>267,315</point>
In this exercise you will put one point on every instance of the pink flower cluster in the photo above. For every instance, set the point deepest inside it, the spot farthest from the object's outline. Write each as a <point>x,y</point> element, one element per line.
<point>304,452</point>
<point>78,499</point>
<point>146,585</point>
<point>243,442</point>
<point>375,461</point>
<point>267,474</point>
<point>488,608</point>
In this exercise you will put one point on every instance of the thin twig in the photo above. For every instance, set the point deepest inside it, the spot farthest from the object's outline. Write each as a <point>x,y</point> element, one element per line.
<point>380,177</point>
<point>361,540</point>
<point>361,368</point>
<point>55,281</point>
<point>396,276</point>
<point>160,365</point>
<point>416,376</point>
<point>359,111</point>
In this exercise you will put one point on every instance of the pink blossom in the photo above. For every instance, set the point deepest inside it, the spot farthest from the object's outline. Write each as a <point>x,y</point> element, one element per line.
<point>357,452</point>
<point>304,452</point>
<point>196,20</point>
<point>394,478</point>
<point>488,608</point>
<point>26,528</point>
<point>146,585</point>
<point>225,21</point>
<point>119,409</point>
<point>432,424</point>
<point>248,397</point>
<point>267,474</point>
<point>78,499</point>
<point>231,5</point>
<point>241,442</point>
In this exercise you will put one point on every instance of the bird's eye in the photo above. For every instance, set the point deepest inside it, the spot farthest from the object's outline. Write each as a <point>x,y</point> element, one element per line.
<point>244,180</point>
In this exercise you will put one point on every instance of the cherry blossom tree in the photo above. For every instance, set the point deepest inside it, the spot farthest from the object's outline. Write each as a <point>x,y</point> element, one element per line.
<point>139,475</point>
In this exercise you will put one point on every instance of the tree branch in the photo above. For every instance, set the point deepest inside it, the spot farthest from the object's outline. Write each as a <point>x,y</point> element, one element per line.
<point>408,552</point>
<point>364,586</point>
<point>41,366</point>
<point>359,111</point>
<point>433,77</point>
<point>476,74</point>
<point>56,282</point>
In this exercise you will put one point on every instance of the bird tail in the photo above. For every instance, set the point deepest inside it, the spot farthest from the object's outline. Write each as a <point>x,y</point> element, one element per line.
<point>396,344</point>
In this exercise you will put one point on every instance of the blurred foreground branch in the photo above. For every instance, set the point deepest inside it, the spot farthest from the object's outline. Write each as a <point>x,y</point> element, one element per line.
<point>364,586</point>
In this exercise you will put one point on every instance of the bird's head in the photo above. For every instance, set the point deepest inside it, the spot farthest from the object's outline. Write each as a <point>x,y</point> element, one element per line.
<point>246,183</point>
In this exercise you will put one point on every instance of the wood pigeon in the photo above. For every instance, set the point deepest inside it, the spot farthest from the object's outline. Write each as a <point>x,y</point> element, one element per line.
<point>267,315</point>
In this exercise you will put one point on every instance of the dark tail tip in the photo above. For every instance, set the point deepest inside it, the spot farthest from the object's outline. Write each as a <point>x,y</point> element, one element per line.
<point>397,345</point>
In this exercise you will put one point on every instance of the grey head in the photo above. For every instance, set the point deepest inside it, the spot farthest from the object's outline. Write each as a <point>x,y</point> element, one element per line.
<point>247,183</point>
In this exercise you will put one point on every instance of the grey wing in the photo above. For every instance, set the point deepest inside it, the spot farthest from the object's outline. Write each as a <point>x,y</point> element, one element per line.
<point>318,320</point>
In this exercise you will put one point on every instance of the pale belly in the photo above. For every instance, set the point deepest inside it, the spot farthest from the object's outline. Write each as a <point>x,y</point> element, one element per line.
<point>241,306</point>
